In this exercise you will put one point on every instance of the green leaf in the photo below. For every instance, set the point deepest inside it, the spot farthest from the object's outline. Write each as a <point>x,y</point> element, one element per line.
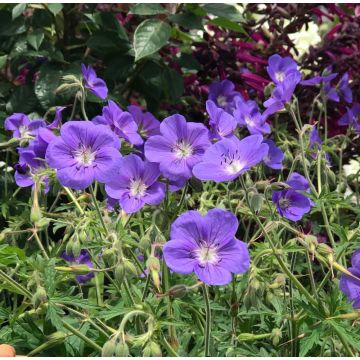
<point>187,20</point>
<point>150,36</point>
<point>23,100</point>
<point>46,84</point>
<point>173,85</point>
<point>35,38</point>
<point>55,8</point>
<point>18,10</point>
<point>227,24</point>
<point>3,60</point>
<point>309,341</point>
<point>227,11</point>
<point>10,26</point>
<point>147,9</point>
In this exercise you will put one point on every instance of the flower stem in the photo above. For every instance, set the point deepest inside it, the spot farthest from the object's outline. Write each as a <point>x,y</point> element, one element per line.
<point>73,198</point>
<point>98,209</point>
<point>82,104</point>
<point>208,320</point>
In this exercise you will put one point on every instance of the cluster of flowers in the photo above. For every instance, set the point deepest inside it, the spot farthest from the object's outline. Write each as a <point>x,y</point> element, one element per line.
<point>174,150</point>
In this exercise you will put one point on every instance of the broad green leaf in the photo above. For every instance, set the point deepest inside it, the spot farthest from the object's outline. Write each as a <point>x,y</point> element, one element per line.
<point>227,24</point>
<point>150,36</point>
<point>187,20</point>
<point>10,26</point>
<point>55,8</point>
<point>173,84</point>
<point>35,38</point>
<point>3,60</point>
<point>22,100</point>
<point>147,9</point>
<point>227,11</point>
<point>18,10</point>
<point>46,84</point>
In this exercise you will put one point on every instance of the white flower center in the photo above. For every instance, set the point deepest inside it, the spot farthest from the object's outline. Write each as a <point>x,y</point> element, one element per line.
<point>249,121</point>
<point>183,150</point>
<point>279,76</point>
<point>284,203</point>
<point>137,188</point>
<point>207,254</point>
<point>84,155</point>
<point>234,167</point>
<point>23,130</point>
<point>221,100</point>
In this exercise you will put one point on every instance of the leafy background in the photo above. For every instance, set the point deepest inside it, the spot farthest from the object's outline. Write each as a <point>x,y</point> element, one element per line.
<point>163,57</point>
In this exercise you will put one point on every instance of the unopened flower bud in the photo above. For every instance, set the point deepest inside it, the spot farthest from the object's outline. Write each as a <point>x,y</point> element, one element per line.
<point>155,349</point>
<point>119,272</point>
<point>130,268</point>
<point>279,185</point>
<point>177,291</point>
<point>122,349</point>
<point>76,247</point>
<point>82,235</point>
<point>35,214</point>
<point>109,256</point>
<point>256,202</point>
<point>262,185</point>
<point>108,349</point>
<point>39,297</point>
<point>153,264</point>
<point>276,336</point>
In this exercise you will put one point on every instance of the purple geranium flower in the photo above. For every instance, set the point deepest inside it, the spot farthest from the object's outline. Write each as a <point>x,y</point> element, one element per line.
<point>248,114</point>
<point>290,203</point>
<point>121,122</point>
<point>83,259</point>
<point>32,159</point>
<point>135,184</point>
<point>206,245</point>
<point>83,153</point>
<point>22,126</point>
<point>221,122</point>
<point>179,148</point>
<point>282,94</point>
<point>147,124</point>
<point>223,95</point>
<point>315,143</point>
<point>351,117</point>
<point>280,68</point>
<point>349,285</point>
<point>343,88</point>
<point>228,158</point>
<point>57,119</point>
<point>326,77</point>
<point>96,85</point>
<point>274,157</point>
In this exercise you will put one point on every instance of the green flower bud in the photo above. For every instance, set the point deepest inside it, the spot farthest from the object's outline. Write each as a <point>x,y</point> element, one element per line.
<point>177,291</point>
<point>276,336</point>
<point>76,247</point>
<point>279,185</point>
<point>35,214</point>
<point>122,350</point>
<point>130,268</point>
<point>109,257</point>
<point>42,223</point>
<point>145,243</point>
<point>120,273</point>
<point>39,297</point>
<point>83,235</point>
<point>155,349</point>
<point>147,351</point>
<point>256,202</point>
<point>108,349</point>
